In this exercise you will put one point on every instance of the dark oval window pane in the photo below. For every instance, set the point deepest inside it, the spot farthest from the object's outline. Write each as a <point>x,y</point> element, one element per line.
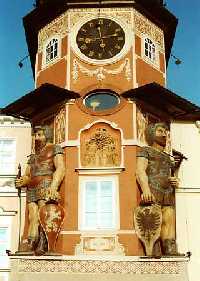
<point>101,101</point>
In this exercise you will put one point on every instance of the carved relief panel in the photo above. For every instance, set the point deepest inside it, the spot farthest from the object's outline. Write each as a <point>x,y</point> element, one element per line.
<point>99,245</point>
<point>60,125</point>
<point>100,146</point>
<point>142,123</point>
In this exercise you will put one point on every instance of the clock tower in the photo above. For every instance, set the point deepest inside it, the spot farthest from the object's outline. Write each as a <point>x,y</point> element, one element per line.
<point>100,76</point>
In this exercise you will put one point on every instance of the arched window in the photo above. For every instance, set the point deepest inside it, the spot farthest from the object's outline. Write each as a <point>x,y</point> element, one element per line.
<point>52,50</point>
<point>150,49</point>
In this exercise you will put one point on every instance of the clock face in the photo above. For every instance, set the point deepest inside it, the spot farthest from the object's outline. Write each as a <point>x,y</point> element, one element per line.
<point>100,39</point>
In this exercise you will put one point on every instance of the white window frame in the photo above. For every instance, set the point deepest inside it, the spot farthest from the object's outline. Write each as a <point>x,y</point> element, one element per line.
<point>115,202</point>
<point>46,63</point>
<point>153,60</point>
<point>13,156</point>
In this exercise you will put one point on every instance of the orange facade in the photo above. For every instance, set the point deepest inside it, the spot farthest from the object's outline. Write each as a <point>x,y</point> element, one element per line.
<point>100,145</point>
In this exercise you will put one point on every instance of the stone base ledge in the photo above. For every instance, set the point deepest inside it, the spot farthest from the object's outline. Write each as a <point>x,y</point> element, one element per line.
<point>97,268</point>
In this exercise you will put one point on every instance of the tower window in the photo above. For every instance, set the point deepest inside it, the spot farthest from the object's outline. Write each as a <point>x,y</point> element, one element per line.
<point>52,50</point>
<point>149,49</point>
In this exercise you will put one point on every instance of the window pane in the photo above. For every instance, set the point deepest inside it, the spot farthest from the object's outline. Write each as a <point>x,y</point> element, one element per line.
<point>106,188</point>
<point>3,234</point>
<point>7,156</point>
<point>3,240</point>
<point>90,204</point>
<point>91,197</point>
<point>3,249</point>
<point>91,220</point>
<point>106,204</point>
<point>106,220</point>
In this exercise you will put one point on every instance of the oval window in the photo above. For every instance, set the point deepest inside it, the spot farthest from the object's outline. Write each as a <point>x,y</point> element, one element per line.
<point>101,101</point>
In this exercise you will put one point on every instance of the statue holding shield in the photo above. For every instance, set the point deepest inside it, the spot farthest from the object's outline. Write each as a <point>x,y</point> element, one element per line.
<point>154,176</point>
<point>42,179</point>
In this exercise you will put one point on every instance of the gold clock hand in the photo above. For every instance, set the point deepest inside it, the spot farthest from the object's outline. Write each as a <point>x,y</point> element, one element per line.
<point>89,40</point>
<point>99,30</point>
<point>111,35</point>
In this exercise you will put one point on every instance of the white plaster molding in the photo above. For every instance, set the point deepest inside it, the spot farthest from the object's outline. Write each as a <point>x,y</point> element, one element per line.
<point>10,192</point>
<point>142,259</point>
<point>187,190</point>
<point>99,171</point>
<point>107,232</point>
<point>70,143</point>
<point>100,72</point>
<point>7,213</point>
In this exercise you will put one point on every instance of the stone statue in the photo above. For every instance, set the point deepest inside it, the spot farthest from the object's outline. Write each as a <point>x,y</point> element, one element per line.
<point>42,179</point>
<point>153,173</point>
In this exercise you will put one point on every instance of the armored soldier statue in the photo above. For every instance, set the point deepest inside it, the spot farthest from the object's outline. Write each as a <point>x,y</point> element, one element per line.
<point>153,174</point>
<point>42,179</point>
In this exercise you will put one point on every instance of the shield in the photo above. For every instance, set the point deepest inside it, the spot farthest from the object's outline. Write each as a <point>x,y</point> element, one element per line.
<point>51,217</point>
<point>148,220</point>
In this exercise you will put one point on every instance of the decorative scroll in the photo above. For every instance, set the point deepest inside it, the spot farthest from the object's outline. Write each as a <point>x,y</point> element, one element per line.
<point>59,26</point>
<point>144,26</point>
<point>120,13</point>
<point>100,72</point>
<point>60,126</point>
<point>148,221</point>
<point>100,147</point>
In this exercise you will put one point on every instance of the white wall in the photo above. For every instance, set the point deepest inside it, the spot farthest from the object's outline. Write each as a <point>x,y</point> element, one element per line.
<point>9,201</point>
<point>186,139</point>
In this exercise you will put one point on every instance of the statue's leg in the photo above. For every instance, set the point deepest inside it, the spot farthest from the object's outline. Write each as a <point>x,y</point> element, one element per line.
<point>168,231</point>
<point>42,246</point>
<point>33,224</point>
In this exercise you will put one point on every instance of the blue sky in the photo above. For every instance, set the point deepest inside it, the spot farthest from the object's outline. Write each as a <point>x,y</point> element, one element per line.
<point>183,79</point>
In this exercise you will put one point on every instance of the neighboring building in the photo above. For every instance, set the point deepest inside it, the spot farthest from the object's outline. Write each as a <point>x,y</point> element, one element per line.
<point>15,144</point>
<point>186,139</point>
<point>100,75</point>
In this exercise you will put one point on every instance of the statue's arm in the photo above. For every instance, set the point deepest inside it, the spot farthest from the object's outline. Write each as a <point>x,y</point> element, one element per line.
<point>142,179</point>
<point>59,173</point>
<point>25,179</point>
